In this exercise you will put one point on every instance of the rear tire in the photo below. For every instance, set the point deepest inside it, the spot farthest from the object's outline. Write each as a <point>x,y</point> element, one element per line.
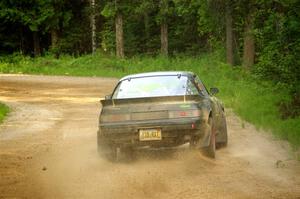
<point>225,141</point>
<point>211,149</point>
<point>221,144</point>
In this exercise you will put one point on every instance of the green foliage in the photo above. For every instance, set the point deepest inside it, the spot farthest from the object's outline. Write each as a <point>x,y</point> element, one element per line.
<point>35,14</point>
<point>109,10</point>
<point>279,49</point>
<point>3,111</point>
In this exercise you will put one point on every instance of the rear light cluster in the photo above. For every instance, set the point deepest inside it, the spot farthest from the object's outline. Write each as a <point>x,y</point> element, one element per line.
<point>115,118</point>
<point>186,113</point>
<point>150,116</point>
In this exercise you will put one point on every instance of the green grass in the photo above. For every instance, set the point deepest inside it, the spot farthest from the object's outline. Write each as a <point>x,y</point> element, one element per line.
<point>3,111</point>
<point>254,100</point>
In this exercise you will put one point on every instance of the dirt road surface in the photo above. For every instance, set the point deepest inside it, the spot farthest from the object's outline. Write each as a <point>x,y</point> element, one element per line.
<point>48,150</point>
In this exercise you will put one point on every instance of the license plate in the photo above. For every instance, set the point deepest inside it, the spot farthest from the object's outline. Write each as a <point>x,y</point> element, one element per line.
<point>150,134</point>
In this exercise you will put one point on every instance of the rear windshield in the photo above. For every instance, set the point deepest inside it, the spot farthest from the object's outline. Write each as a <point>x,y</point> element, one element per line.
<point>154,87</point>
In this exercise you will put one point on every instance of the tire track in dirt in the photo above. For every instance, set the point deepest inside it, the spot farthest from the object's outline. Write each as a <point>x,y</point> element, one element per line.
<point>48,150</point>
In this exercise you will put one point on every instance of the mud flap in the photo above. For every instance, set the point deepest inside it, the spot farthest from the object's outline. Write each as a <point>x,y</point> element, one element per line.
<point>204,142</point>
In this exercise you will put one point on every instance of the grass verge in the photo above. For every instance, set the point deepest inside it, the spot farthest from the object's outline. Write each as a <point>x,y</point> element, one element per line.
<point>3,111</point>
<point>254,100</point>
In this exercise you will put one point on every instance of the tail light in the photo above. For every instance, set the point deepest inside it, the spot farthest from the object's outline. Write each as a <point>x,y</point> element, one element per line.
<point>184,113</point>
<point>115,118</point>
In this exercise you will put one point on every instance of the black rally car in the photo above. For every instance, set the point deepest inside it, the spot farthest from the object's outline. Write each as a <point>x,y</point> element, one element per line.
<point>161,109</point>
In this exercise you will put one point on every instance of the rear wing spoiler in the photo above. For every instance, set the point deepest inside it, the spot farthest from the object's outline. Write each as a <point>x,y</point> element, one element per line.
<point>168,99</point>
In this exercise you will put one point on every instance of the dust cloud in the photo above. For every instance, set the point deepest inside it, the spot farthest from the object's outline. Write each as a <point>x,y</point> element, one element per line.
<point>48,150</point>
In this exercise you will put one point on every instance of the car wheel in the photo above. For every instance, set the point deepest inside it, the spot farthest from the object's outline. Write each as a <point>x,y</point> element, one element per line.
<point>210,151</point>
<point>212,145</point>
<point>224,142</point>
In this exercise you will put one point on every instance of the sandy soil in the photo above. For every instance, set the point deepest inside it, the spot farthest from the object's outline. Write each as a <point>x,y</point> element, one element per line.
<point>48,150</point>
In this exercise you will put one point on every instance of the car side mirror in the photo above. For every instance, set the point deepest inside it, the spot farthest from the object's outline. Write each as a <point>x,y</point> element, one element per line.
<point>107,97</point>
<point>213,91</point>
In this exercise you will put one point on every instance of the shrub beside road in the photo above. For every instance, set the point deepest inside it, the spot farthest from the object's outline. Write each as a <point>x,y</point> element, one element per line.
<point>3,111</point>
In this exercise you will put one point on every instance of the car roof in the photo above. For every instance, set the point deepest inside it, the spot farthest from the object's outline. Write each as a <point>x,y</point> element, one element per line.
<point>153,74</point>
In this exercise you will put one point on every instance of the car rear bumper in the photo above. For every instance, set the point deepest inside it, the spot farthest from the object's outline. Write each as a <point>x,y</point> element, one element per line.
<point>174,132</point>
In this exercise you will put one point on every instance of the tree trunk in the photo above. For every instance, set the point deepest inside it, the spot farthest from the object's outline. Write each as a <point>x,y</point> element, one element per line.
<point>93,26</point>
<point>119,36</point>
<point>249,43</point>
<point>147,25</point>
<point>229,36</point>
<point>22,50</point>
<point>164,28</point>
<point>54,38</point>
<point>36,44</point>
<point>164,38</point>
<point>54,42</point>
<point>147,31</point>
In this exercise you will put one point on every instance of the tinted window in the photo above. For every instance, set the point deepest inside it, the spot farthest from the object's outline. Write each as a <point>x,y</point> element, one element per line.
<point>154,87</point>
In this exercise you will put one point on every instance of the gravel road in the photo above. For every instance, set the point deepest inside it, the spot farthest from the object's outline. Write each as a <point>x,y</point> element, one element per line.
<point>48,150</point>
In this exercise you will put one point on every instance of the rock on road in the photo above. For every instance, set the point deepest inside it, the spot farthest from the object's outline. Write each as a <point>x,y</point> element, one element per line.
<point>48,150</point>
